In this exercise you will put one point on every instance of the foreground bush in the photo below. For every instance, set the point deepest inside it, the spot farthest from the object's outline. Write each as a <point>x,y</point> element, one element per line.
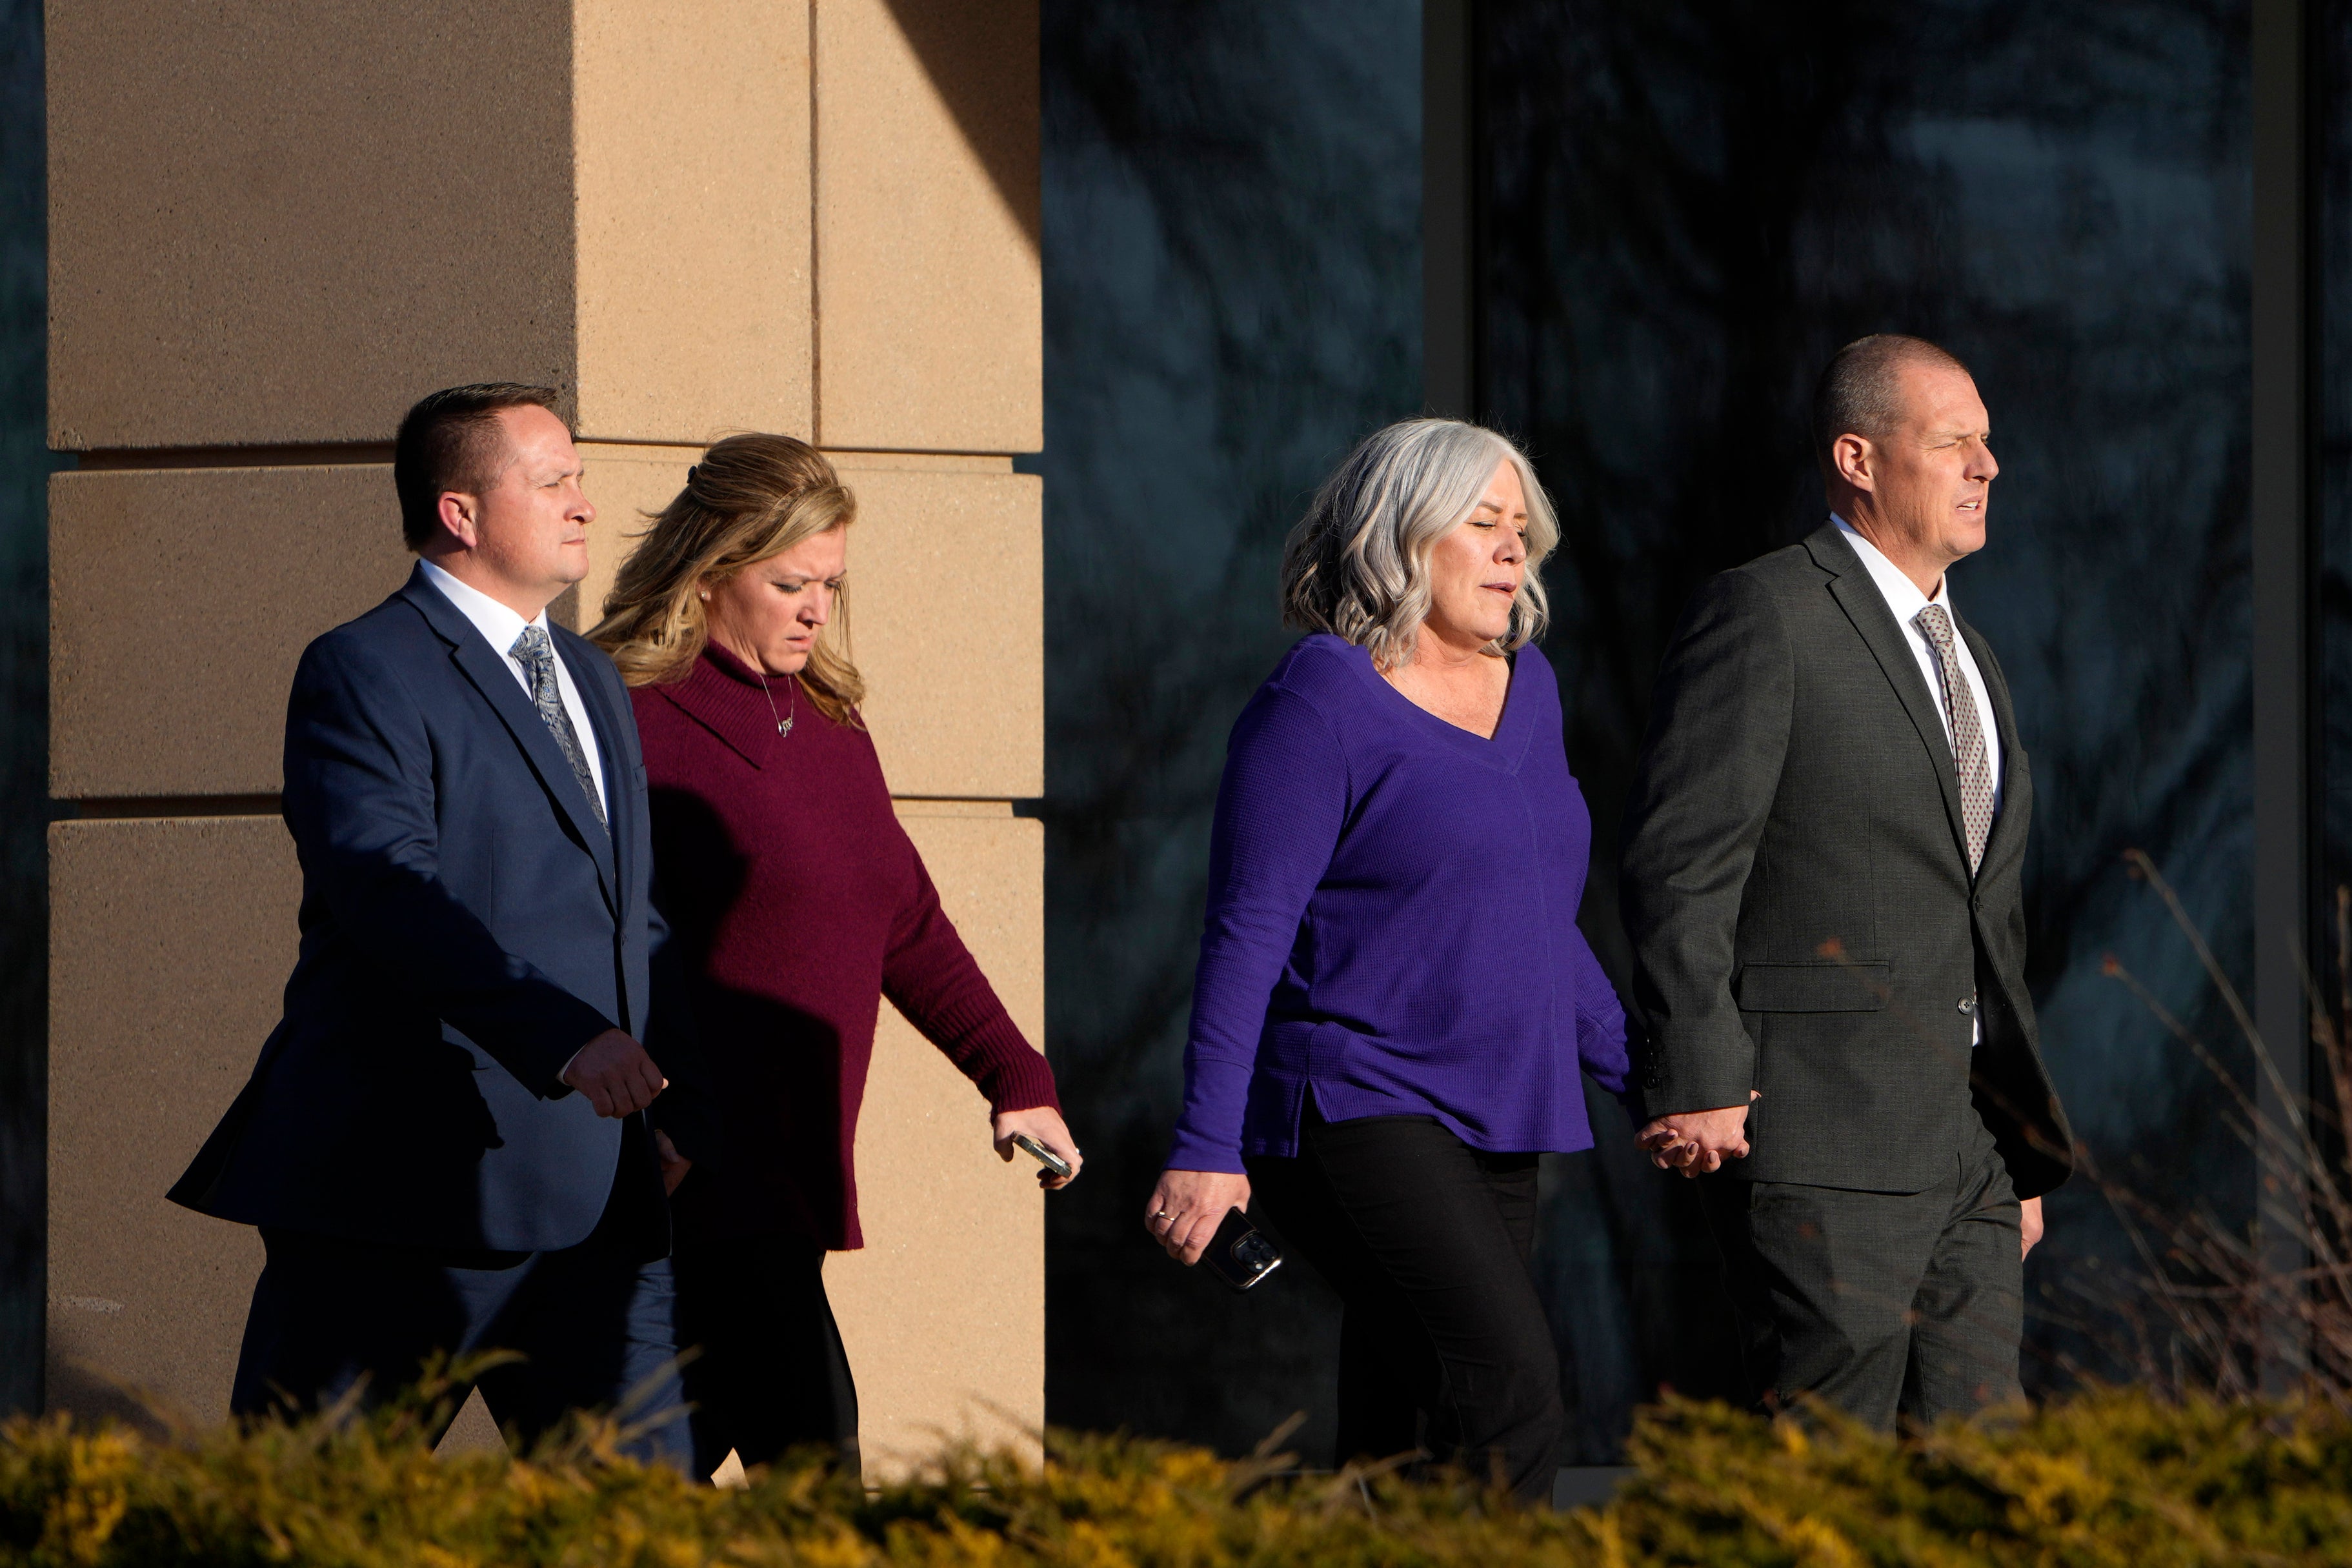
<point>2109,1478</point>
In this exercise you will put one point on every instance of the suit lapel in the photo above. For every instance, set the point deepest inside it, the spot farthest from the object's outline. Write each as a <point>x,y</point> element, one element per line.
<point>620,776</point>
<point>1865,606</point>
<point>495,680</point>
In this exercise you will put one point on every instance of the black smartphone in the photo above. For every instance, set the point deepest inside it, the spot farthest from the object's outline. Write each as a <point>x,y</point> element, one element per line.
<point>1042,1155</point>
<point>1241,1256</point>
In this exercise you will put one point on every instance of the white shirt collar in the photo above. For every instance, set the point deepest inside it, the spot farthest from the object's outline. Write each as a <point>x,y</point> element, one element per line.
<point>499,624</point>
<point>1901,593</point>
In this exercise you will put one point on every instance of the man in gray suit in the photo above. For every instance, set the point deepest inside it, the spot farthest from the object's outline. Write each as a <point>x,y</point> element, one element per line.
<point>1822,881</point>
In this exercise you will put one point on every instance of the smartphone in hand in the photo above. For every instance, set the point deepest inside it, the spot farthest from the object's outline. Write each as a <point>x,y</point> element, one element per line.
<point>1054,1164</point>
<point>1241,1256</point>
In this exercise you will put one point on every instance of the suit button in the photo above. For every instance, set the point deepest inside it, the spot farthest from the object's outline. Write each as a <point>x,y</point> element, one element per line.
<point>1968,1004</point>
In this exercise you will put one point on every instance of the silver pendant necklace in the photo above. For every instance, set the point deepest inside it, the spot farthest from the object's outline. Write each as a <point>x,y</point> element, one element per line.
<point>784,724</point>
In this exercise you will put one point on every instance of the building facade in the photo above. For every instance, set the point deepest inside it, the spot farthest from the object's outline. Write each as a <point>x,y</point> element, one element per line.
<point>272,228</point>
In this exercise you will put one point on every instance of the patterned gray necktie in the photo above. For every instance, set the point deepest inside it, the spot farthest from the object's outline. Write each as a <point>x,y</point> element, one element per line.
<point>536,654</point>
<point>1967,735</point>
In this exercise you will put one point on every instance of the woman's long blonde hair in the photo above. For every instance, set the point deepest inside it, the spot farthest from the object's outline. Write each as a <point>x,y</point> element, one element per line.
<point>752,497</point>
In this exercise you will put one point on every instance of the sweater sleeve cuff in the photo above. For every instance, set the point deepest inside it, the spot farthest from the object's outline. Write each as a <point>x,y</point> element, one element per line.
<point>1209,1132</point>
<point>1604,1052</point>
<point>993,1053</point>
<point>1021,1079</point>
<point>1188,1152</point>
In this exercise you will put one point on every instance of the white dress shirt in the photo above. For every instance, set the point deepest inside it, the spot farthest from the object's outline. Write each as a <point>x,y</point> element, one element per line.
<point>1903,597</point>
<point>500,626</point>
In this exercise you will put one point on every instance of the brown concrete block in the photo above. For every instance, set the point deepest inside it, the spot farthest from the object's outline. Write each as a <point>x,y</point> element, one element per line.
<point>180,601</point>
<point>692,130</point>
<point>930,335</point>
<point>170,650</point>
<point>170,942</point>
<point>272,223</point>
<point>944,1311</point>
<point>947,623</point>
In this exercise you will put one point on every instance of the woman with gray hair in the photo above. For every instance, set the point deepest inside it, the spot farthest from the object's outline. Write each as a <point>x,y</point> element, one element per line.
<point>1395,1006</point>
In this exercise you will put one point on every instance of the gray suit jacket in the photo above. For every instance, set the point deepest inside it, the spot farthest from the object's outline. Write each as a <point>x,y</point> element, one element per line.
<point>1796,886</point>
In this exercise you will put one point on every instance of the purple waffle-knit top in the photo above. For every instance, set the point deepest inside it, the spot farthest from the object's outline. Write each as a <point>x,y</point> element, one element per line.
<point>1391,922</point>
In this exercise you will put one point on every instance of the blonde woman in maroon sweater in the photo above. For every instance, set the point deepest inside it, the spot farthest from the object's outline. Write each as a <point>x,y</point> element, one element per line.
<point>800,904</point>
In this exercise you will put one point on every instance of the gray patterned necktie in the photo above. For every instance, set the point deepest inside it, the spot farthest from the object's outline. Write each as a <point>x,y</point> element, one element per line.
<point>536,654</point>
<point>1967,735</point>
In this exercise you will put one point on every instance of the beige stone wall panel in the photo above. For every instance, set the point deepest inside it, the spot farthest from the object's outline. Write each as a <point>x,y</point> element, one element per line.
<point>625,483</point>
<point>943,1311</point>
<point>170,943</point>
<point>273,223</point>
<point>171,655</point>
<point>693,170</point>
<point>180,601</point>
<point>929,304</point>
<point>947,623</point>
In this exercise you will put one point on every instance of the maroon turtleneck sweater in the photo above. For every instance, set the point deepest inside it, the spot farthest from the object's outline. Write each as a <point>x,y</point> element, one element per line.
<point>800,904</point>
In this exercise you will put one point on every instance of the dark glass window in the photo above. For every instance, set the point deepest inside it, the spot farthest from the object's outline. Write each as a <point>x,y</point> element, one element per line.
<point>1685,207</point>
<point>1233,297</point>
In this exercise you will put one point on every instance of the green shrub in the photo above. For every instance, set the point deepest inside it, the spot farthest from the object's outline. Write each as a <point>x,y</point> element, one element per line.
<point>2110,1478</point>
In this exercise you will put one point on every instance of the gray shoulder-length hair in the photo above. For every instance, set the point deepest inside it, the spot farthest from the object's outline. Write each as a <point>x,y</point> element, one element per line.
<point>1358,563</point>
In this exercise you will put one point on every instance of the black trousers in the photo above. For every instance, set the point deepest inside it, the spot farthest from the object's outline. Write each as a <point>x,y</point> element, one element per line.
<point>1889,1305</point>
<point>1443,1346</point>
<point>595,1324</point>
<point>767,1374</point>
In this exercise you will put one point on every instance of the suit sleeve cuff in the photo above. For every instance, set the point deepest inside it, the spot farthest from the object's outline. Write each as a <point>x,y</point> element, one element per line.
<point>561,1042</point>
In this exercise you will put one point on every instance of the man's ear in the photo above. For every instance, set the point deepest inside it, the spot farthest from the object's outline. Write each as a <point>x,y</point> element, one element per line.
<point>1851,455</point>
<point>460,518</point>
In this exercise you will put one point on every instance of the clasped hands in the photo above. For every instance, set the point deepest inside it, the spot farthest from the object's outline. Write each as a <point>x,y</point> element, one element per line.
<point>619,1079</point>
<point>1697,1142</point>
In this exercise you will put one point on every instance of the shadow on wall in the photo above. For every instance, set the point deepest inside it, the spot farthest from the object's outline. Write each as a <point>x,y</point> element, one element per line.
<point>982,60</point>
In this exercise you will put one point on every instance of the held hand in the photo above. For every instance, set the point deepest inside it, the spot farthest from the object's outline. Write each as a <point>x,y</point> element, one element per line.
<point>1044,1123</point>
<point>674,1165</point>
<point>1187,1207</point>
<point>614,1071</point>
<point>2029,1225</point>
<point>1697,1142</point>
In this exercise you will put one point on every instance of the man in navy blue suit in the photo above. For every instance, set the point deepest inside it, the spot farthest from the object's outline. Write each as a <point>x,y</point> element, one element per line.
<point>460,1137</point>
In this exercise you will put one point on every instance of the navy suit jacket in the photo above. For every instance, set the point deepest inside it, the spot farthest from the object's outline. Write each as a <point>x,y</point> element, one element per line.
<point>466,926</point>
